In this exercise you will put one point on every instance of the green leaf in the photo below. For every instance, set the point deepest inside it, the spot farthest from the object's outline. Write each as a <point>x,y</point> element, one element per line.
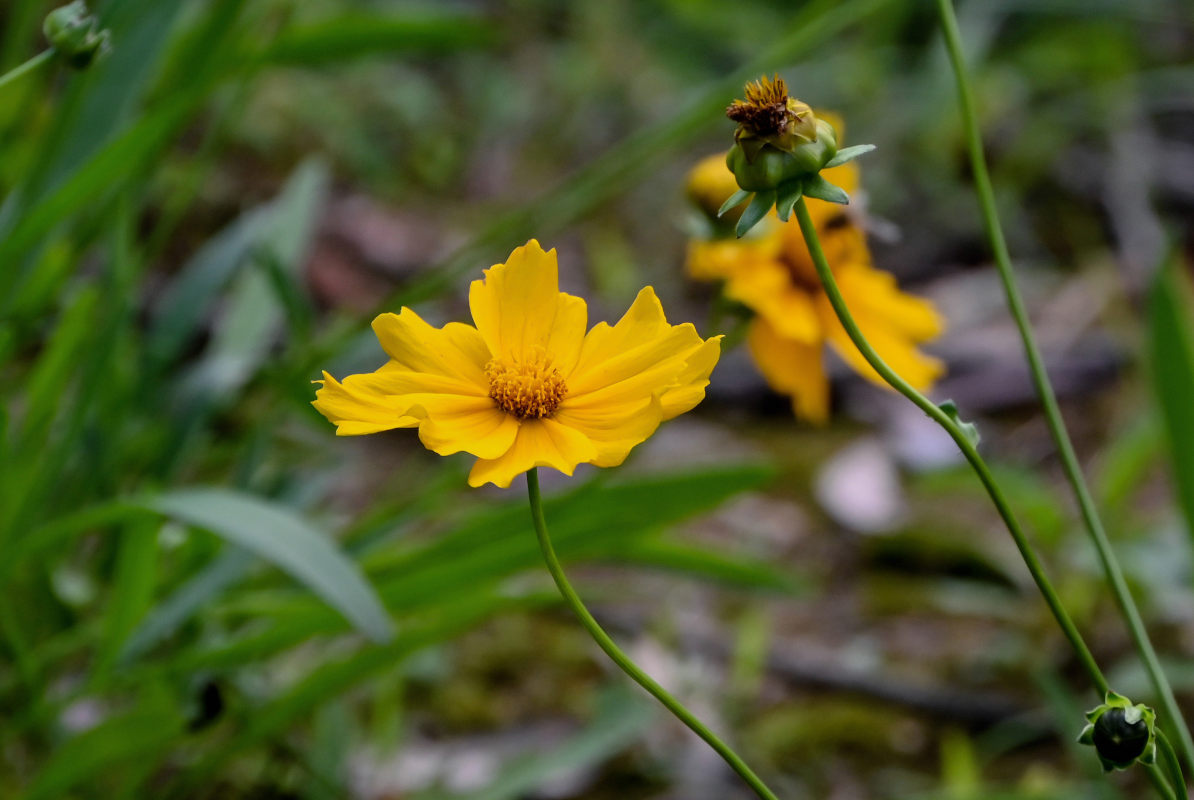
<point>847,154</point>
<point>818,187</point>
<point>733,201</point>
<point>591,522</point>
<point>169,614</point>
<point>707,563</point>
<point>248,328</point>
<point>1171,351</point>
<point>355,35</point>
<point>460,613</point>
<point>968,428</point>
<point>129,741</point>
<point>758,208</point>
<point>132,588</point>
<point>786,198</point>
<point>285,540</point>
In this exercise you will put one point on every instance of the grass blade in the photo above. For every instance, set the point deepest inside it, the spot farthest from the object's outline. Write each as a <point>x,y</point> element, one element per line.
<point>1171,346</point>
<point>285,540</point>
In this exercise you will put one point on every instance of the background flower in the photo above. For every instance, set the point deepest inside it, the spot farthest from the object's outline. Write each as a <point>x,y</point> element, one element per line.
<point>771,272</point>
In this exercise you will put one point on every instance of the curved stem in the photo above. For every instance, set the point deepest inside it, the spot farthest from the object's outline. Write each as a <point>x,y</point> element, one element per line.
<point>20,70</point>
<point>1160,784</point>
<point>960,438</point>
<point>1065,448</point>
<point>1172,765</point>
<point>621,659</point>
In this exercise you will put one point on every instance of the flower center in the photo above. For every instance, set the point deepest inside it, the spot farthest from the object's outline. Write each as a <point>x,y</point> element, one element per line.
<point>530,389</point>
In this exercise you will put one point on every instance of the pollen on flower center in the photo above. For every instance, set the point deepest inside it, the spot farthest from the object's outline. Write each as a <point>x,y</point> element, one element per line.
<point>530,389</point>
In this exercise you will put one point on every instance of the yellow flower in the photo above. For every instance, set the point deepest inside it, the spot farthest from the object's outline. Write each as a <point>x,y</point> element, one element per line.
<point>772,273</point>
<point>526,387</point>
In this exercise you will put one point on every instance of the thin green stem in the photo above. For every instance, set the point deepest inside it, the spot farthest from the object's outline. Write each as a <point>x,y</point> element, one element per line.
<point>1160,784</point>
<point>19,71</point>
<point>960,438</point>
<point>1065,448</point>
<point>621,659</point>
<point>1172,765</point>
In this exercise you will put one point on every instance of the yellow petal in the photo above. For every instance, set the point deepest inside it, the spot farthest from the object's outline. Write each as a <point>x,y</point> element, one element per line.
<point>710,183</point>
<point>356,407</point>
<point>770,292</point>
<point>521,313</point>
<point>454,424</point>
<point>613,430</point>
<point>793,368</point>
<point>893,346</point>
<point>539,443</point>
<point>692,380</point>
<point>876,295</point>
<point>640,356</point>
<point>455,351</point>
<point>721,259</point>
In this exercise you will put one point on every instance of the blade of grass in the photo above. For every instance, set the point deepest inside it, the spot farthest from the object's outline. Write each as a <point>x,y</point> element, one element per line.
<point>130,739</point>
<point>1171,353</point>
<point>285,540</point>
<point>355,35</point>
<point>132,591</point>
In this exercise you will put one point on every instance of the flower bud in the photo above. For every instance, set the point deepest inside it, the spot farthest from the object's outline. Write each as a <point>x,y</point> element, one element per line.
<point>75,34</point>
<point>1121,733</point>
<point>778,138</point>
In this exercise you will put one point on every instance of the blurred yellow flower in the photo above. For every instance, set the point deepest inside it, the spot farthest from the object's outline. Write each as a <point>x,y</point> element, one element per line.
<point>526,387</point>
<point>772,274</point>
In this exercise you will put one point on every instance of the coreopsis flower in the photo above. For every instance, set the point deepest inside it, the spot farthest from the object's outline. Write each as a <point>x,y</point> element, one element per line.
<point>771,272</point>
<point>527,386</point>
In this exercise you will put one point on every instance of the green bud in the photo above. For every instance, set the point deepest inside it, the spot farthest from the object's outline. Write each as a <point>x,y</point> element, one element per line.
<point>1121,733</point>
<point>75,34</point>
<point>770,167</point>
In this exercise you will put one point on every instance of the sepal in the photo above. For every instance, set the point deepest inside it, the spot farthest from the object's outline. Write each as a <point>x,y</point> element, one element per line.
<point>848,154</point>
<point>821,189</point>
<point>758,208</point>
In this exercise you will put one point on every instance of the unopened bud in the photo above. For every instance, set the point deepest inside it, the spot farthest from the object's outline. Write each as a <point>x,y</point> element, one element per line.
<point>74,33</point>
<point>1121,733</point>
<point>778,138</point>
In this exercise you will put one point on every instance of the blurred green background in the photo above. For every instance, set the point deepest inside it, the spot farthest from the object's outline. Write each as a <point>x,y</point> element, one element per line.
<point>206,594</point>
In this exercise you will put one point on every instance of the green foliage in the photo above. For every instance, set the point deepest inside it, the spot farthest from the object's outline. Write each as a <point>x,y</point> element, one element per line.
<point>1171,350</point>
<point>177,525</point>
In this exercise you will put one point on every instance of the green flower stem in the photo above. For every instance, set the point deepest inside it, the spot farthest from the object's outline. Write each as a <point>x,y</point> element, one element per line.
<point>1044,388</point>
<point>19,71</point>
<point>1161,785</point>
<point>960,438</point>
<point>621,659</point>
<point>1172,765</point>
<point>809,230</point>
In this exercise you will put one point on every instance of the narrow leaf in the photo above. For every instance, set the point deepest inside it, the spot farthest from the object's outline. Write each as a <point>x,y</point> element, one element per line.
<point>758,208</point>
<point>968,428</point>
<point>786,198</point>
<point>285,540</point>
<point>1171,346</point>
<point>847,154</point>
<point>818,187</point>
<point>356,35</point>
<point>733,201</point>
<point>132,588</point>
